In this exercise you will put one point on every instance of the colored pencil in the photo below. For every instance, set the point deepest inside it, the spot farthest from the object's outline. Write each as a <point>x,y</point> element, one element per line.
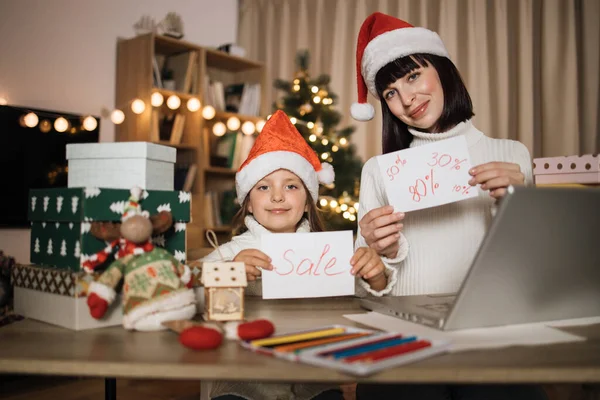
<point>373,347</point>
<point>389,352</point>
<point>360,345</point>
<point>297,337</point>
<point>318,342</point>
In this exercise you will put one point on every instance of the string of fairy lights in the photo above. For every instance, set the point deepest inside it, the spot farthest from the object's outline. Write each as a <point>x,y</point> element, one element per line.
<point>344,205</point>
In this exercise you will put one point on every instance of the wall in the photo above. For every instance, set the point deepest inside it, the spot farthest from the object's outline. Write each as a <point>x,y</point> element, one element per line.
<point>61,55</point>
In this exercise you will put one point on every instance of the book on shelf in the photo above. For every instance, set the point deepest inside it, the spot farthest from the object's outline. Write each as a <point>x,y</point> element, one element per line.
<point>169,126</point>
<point>243,98</point>
<point>185,176</point>
<point>156,74</point>
<point>182,68</point>
<point>231,149</point>
<point>219,208</point>
<point>177,131</point>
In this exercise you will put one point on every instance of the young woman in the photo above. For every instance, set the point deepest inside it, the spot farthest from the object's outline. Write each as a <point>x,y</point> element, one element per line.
<point>424,100</point>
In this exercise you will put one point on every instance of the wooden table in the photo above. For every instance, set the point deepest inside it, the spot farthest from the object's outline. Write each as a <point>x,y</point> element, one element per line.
<point>32,347</point>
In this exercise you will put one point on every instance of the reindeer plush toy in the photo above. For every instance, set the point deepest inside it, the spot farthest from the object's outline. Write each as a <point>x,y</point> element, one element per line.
<point>156,286</point>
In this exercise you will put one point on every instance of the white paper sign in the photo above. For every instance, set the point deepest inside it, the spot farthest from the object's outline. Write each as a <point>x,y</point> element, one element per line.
<point>308,265</point>
<point>427,176</point>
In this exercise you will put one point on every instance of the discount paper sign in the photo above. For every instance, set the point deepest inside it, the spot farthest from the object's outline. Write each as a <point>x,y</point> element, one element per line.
<point>308,265</point>
<point>427,176</point>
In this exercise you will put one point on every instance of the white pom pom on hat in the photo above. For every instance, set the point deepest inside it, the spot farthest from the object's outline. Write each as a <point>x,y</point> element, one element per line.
<point>381,40</point>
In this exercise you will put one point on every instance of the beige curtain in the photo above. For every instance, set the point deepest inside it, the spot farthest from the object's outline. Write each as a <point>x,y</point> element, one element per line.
<point>531,66</point>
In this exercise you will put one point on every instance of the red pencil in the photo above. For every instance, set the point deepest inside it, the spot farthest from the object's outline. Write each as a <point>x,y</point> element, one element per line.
<point>389,352</point>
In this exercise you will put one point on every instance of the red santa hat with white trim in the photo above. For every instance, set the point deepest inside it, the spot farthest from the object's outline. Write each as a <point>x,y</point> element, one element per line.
<point>381,40</point>
<point>280,146</point>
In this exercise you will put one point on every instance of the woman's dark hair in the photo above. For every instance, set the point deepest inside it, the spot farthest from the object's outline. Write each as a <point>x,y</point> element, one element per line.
<point>313,215</point>
<point>457,102</point>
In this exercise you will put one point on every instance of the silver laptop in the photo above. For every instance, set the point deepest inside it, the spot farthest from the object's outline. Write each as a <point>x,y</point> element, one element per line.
<point>539,261</point>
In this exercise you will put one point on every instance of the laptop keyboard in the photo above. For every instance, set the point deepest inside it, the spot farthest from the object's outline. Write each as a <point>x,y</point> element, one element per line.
<point>439,307</point>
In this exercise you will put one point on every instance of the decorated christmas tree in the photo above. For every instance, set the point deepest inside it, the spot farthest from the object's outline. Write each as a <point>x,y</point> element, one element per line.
<point>311,107</point>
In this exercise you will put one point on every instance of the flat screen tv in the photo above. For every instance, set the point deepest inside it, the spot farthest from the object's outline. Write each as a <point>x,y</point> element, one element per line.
<point>33,157</point>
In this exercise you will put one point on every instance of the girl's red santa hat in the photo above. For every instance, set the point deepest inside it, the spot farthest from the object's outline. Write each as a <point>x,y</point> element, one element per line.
<point>381,40</point>
<point>280,146</point>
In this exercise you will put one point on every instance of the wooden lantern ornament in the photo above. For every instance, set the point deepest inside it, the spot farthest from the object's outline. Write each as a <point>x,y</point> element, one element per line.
<point>224,285</point>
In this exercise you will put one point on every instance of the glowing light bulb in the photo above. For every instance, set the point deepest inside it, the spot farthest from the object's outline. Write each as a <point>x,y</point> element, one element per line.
<point>117,117</point>
<point>346,215</point>
<point>356,205</point>
<point>193,104</point>
<point>268,117</point>
<point>90,123</point>
<point>314,89</point>
<point>352,218</point>
<point>293,120</point>
<point>310,125</point>
<point>248,128</point>
<point>334,148</point>
<point>296,88</point>
<point>173,102</point>
<point>352,210</point>
<point>45,126</point>
<point>208,112</point>
<point>31,120</point>
<point>344,207</point>
<point>323,202</point>
<point>156,99</point>
<point>260,125</point>
<point>312,138</point>
<point>333,204</point>
<point>233,123</point>
<point>324,156</point>
<point>316,99</point>
<point>324,142</point>
<point>219,129</point>
<point>61,124</point>
<point>138,106</point>
<point>343,141</point>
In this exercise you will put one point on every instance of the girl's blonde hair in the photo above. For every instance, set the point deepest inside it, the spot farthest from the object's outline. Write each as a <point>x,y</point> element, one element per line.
<point>313,215</point>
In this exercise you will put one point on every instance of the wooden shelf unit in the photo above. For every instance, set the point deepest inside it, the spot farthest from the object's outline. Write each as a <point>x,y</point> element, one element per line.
<point>135,79</point>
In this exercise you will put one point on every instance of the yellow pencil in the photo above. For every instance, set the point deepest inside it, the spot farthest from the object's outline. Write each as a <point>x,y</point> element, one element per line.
<point>297,337</point>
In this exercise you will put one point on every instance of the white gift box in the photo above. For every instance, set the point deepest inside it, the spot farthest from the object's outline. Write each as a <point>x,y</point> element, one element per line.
<point>121,165</point>
<point>58,296</point>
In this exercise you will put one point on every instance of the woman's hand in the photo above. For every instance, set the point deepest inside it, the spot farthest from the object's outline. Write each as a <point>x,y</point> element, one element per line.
<point>253,260</point>
<point>381,229</point>
<point>496,177</point>
<point>367,264</point>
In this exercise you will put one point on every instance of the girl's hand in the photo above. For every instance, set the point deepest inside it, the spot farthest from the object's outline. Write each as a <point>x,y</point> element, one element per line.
<point>381,229</point>
<point>367,264</point>
<point>496,177</point>
<point>253,260</point>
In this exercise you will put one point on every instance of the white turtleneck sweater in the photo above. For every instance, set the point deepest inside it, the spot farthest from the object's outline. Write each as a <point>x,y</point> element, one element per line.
<point>438,244</point>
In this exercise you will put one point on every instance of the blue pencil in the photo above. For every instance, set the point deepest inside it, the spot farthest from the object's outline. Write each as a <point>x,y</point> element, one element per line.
<point>372,347</point>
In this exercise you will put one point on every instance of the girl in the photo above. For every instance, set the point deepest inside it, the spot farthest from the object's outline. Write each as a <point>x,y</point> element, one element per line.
<point>278,187</point>
<point>423,100</point>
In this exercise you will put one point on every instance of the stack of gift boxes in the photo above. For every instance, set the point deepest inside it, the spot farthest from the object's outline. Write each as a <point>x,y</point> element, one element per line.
<point>569,171</point>
<point>53,288</point>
